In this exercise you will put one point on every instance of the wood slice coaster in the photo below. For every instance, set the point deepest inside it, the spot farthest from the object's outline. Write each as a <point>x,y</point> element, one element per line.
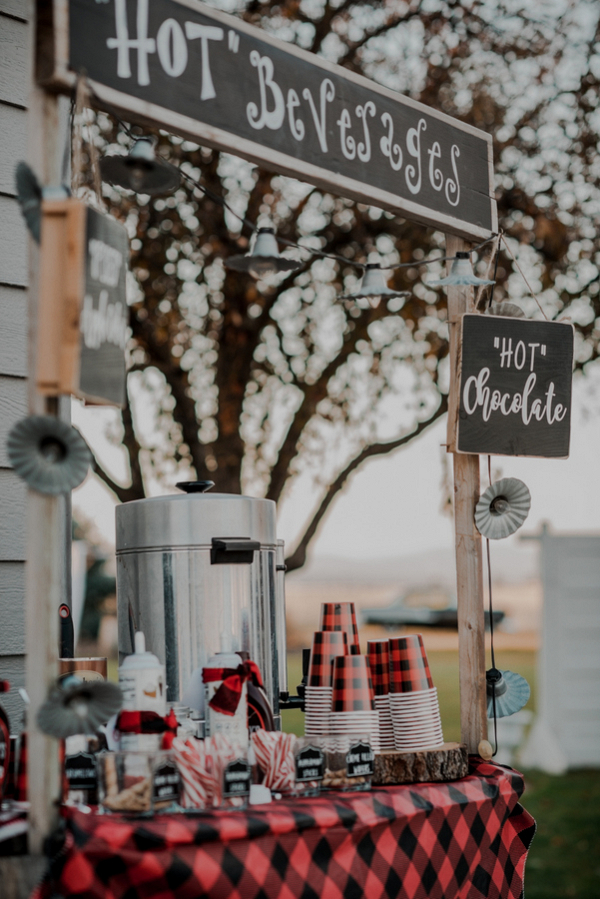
<point>449,762</point>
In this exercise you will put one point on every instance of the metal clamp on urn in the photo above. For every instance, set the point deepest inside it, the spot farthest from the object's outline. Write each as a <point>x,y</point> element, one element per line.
<point>201,573</point>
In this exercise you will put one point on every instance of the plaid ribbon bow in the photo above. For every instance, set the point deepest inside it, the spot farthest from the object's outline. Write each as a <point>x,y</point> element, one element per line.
<point>144,723</point>
<point>227,697</point>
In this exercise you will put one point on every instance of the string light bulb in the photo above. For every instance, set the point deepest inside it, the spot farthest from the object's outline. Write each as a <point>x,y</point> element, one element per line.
<point>264,258</point>
<point>373,287</point>
<point>508,691</point>
<point>141,170</point>
<point>461,273</point>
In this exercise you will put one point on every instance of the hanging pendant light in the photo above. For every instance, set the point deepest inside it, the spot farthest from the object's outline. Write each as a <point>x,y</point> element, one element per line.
<point>503,508</point>
<point>508,310</point>
<point>264,258</point>
<point>78,707</point>
<point>50,455</point>
<point>508,691</point>
<point>461,272</point>
<point>141,170</point>
<point>373,287</point>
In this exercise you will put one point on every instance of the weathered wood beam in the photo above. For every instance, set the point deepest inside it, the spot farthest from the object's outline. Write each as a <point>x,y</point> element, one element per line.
<point>469,563</point>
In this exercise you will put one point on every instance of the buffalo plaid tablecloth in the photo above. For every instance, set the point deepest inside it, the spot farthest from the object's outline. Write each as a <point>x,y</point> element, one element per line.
<point>461,840</point>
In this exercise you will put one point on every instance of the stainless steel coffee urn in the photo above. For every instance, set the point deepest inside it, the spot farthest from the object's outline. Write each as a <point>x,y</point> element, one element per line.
<point>201,573</point>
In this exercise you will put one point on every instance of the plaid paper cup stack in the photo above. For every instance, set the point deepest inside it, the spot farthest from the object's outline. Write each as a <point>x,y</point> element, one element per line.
<point>378,655</point>
<point>413,698</point>
<point>326,646</point>
<point>352,708</point>
<point>341,616</point>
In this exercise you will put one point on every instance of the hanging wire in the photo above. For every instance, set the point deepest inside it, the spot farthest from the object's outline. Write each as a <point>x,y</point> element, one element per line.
<point>66,159</point>
<point>495,270</point>
<point>415,263</point>
<point>524,278</point>
<point>291,243</point>
<point>491,613</point>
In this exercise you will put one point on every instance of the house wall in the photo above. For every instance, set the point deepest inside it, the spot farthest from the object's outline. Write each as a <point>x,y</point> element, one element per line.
<point>15,34</point>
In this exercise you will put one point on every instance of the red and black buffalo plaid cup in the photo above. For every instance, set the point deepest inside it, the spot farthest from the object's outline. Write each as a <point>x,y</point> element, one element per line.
<point>378,654</point>
<point>326,646</point>
<point>409,668</point>
<point>341,616</point>
<point>352,688</point>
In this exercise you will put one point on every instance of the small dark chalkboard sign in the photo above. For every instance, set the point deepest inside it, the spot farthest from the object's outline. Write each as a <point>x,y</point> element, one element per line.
<point>83,314</point>
<point>80,771</point>
<point>515,387</point>
<point>236,778</point>
<point>360,760</point>
<point>104,316</point>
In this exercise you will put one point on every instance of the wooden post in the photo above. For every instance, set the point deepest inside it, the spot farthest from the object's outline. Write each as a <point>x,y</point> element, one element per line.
<point>46,583</point>
<point>469,568</point>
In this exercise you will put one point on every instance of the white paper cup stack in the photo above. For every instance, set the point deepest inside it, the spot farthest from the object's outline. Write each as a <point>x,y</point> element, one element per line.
<point>413,698</point>
<point>343,724</point>
<point>317,709</point>
<point>416,721</point>
<point>386,725</point>
<point>326,646</point>
<point>378,656</point>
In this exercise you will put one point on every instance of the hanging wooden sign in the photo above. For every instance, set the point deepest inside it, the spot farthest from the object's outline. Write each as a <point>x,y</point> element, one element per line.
<point>83,315</point>
<point>197,72</point>
<point>515,387</point>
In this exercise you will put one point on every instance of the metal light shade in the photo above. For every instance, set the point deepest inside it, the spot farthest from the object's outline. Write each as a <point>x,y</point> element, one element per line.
<point>50,455</point>
<point>373,286</point>
<point>29,195</point>
<point>264,258</point>
<point>461,272</point>
<point>78,707</point>
<point>141,171</point>
<point>503,508</point>
<point>508,691</point>
<point>509,310</point>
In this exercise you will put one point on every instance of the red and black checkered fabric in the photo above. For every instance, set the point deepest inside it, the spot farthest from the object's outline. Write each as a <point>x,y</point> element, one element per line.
<point>21,778</point>
<point>378,654</point>
<point>326,646</point>
<point>351,682</point>
<point>409,668</point>
<point>341,616</point>
<point>462,840</point>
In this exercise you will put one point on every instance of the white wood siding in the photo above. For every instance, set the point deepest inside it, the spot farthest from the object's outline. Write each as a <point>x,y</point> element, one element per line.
<point>13,331</point>
<point>13,125</point>
<point>14,90</point>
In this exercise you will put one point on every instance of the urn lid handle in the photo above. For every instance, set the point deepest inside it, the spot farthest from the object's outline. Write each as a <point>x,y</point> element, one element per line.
<point>195,486</point>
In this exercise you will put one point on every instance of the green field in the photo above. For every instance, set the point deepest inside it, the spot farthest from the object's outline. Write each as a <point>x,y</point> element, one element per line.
<point>564,860</point>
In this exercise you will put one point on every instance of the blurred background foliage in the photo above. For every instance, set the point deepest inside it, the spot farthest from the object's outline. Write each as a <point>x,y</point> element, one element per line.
<point>253,384</point>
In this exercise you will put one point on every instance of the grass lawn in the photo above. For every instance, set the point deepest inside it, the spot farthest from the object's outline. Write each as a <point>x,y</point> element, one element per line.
<point>564,859</point>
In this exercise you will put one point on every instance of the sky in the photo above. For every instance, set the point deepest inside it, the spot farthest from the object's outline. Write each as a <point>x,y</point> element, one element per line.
<point>391,507</point>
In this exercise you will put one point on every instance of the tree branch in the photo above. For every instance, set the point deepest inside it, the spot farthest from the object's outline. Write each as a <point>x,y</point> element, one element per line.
<point>298,557</point>
<point>349,56</point>
<point>136,489</point>
<point>123,494</point>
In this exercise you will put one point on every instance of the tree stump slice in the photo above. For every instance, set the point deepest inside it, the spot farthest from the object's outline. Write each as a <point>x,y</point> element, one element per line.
<point>449,762</point>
